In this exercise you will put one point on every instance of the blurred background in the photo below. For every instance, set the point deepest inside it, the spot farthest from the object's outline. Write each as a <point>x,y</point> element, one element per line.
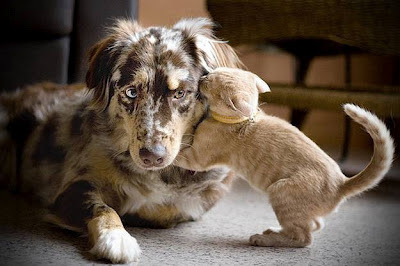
<point>49,40</point>
<point>326,127</point>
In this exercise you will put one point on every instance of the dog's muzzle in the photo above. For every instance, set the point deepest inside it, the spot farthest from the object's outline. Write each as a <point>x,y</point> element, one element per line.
<point>153,156</point>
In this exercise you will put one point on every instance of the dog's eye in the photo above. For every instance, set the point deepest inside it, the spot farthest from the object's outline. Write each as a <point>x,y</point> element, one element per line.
<point>179,94</point>
<point>131,93</point>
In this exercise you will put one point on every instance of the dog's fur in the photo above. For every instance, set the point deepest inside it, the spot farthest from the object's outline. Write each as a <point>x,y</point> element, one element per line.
<point>78,150</point>
<point>302,181</point>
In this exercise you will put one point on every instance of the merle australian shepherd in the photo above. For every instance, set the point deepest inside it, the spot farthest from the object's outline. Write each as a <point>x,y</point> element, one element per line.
<point>96,153</point>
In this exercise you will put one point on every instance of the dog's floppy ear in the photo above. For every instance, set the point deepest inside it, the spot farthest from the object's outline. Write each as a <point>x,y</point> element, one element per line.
<point>211,52</point>
<point>261,85</point>
<point>99,72</point>
<point>102,59</point>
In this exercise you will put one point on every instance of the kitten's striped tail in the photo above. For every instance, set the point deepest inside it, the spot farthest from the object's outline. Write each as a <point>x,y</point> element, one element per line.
<point>383,152</point>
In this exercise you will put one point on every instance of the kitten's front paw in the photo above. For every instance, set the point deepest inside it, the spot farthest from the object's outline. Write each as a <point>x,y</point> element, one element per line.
<point>182,162</point>
<point>272,230</point>
<point>273,239</point>
<point>117,245</point>
<point>261,240</point>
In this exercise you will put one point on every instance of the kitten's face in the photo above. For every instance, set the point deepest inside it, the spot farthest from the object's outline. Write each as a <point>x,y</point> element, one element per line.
<point>232,92</point>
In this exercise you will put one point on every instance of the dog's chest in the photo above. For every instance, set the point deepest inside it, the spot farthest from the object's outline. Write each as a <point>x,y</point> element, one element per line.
<point>161,202</point>
<point>173,192</point>
<point>139,193</point>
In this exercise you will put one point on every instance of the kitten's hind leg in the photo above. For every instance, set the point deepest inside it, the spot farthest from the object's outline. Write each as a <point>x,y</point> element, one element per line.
<point>289,236</point>
<point>318,224</point>
<point>294,215</point>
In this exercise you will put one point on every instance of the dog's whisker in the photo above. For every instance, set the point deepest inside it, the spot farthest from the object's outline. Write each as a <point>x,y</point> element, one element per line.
<point>116,154</point>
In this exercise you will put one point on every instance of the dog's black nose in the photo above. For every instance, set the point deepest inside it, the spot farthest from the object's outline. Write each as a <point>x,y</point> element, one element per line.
<point>153,156</point>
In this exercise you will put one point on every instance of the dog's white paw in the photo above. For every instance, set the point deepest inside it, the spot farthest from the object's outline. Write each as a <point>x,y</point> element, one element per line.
<point>117,245</point>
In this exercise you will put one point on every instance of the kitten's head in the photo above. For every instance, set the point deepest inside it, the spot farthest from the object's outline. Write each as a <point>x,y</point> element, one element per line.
<point>232,92</point>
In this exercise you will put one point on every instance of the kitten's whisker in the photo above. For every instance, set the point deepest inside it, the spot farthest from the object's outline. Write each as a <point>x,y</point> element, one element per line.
<point>189,145</point>
<point>240,112</point>
<point>186,159</point>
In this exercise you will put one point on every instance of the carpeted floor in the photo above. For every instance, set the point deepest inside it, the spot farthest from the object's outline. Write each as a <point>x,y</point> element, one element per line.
<point>365,231</point>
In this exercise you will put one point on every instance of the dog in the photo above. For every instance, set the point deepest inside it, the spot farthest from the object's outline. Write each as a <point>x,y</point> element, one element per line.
<point>303,183</point>
<point>93,155</point>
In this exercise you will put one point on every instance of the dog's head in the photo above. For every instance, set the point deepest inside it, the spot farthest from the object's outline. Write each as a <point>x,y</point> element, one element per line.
<point>232,92</point>
<point>147,81</point>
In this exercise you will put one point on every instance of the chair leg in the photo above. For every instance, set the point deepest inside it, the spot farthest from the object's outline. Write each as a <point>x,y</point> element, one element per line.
<point>393,124</point>
<point>347,120</point>
<point>346,139</point>
<point>298,116</point>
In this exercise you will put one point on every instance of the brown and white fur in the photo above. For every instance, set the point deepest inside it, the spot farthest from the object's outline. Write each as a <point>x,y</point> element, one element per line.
<point>95,154</point>
<point>303,183</point>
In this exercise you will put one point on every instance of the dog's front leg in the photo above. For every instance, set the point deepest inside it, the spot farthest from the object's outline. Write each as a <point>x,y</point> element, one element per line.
<point>81,208</point>
<point>109,238</point>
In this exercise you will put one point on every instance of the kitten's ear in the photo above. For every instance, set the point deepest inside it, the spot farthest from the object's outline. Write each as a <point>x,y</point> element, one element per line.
<point>242,106</point>
<point>261,85</point>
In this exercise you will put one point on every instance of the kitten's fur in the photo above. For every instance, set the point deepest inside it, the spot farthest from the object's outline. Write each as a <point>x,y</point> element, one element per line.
<point>302,181</point>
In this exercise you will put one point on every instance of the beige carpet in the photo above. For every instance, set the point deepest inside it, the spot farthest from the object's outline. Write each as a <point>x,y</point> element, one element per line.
<point>365,231</point>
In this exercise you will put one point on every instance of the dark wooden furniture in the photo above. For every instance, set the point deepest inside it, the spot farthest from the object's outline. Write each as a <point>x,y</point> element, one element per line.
<point>308,29</point>
<point>49,39</point>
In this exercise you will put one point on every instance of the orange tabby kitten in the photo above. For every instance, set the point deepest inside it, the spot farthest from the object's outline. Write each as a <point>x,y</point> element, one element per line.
<point>302,181</point>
